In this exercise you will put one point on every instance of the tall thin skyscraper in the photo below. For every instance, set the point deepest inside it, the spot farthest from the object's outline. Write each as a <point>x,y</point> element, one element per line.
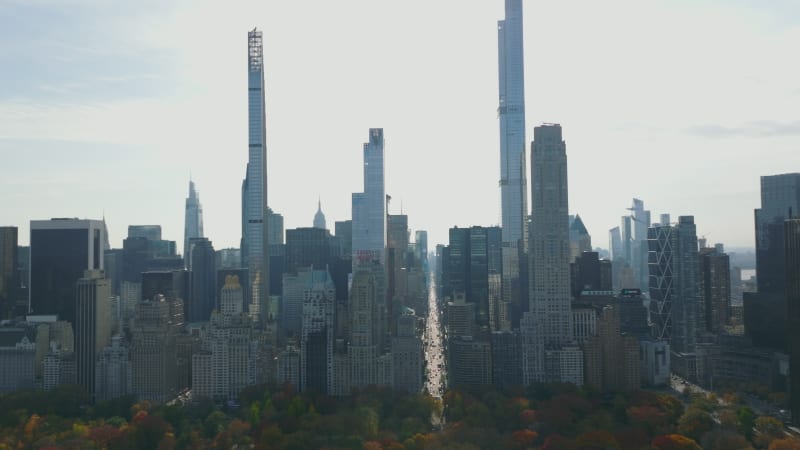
<point>254,188</point>
<point>369,207</point>
<point>92,324</point>
<point>193,224</point>
<point>511,111</point>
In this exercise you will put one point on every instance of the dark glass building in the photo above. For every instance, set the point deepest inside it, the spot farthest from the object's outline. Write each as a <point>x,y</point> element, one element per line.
<point>792,277</point>
<point>9,262</point>
<point>306,247</point>
<point>61,250</point>
<point>203,287</point>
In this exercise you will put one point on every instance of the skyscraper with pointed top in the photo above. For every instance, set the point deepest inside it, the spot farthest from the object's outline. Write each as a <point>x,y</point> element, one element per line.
<point>193,223</point>
<point>319,217</point>
<point>254,188</point>
<point>511,112</point>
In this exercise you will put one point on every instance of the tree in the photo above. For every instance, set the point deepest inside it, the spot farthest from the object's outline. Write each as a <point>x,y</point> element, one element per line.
<point>746,421</point>
<point>769,429</point>
<point>787,443</point>
<point>721,439</point>
<point>597,440</point>
<point>694,423</point>
<point>674,442</point>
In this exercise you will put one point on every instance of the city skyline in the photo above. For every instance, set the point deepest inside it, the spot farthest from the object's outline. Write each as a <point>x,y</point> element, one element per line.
<point>103,140</point>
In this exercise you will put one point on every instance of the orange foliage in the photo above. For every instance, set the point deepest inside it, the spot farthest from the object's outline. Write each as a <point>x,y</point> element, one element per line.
<point>789,443</point>
<point>674,442</point>
<point>524,438</point>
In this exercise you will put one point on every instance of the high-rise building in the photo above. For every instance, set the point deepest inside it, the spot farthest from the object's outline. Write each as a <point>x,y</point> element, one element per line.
<point>579,239</point>
<point>547,328</point>
<point>319,217</point>
<point>150,232</point>
<point>715,288</point>
<point>255,223</point>
<point>369,207</point>
<point>407,353</point>
<point>511,112</point>
<point>612,360</point>
<point>154,372</point>
<point>590,273</point>
<point>17,358</point>
<point>61,250</point>
<point>203,292</point>
<point>113,373</point>
<point>9,283</point>
<point>780,200</point>
<point>193,223</point>
<point>316,336</point>
<point>674,285</point>
<point>791,238</point>
<point>506,359</point>
<point>92,325</point>
<point>469,362</point>
<point>365,327</point>
<point>307,247</point>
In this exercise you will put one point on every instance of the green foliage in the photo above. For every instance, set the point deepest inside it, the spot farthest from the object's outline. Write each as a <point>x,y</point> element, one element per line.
<point>747,420</point>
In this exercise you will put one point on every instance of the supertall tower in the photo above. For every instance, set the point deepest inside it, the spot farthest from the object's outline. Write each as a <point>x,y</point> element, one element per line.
<point>369,207</point>
<point>511,111</point>
<point>254,187</point>
<point>193,223</point>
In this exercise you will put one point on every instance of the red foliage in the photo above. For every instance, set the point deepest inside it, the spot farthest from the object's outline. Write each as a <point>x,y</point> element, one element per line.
<point>140,416</point>
<point>524,438</point>
<point>674,442</point>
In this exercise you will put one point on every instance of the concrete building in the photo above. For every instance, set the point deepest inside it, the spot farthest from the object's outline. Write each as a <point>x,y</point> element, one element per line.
<point>469,362</point>
<point>460,317</point>
<point>366,334</point>
<point>655,357</point>
<point>715,288</point>
<point>288,370</point>
<point>316,336</point>
<point>547,326</point>
<point>113,375</point>
<point>58,368</point>
<point>407,354</point>
<point>17,358</point>
<point>611,360</point>
<point>153,352</point>
<point>92,325</point>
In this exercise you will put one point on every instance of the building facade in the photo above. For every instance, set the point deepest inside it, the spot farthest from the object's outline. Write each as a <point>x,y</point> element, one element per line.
<point>92,325</point>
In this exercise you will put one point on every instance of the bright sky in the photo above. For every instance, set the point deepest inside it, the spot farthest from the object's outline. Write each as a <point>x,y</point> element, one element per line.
<point>106,107</point>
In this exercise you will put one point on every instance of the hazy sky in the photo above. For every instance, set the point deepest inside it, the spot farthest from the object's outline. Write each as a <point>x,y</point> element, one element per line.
<point>108,106</point>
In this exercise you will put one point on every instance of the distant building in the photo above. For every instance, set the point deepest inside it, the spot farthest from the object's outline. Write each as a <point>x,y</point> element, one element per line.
<point>17,359</point>
<point>407,354</point>
<point>792,283</point>
<point>655,362</point>
<point>92,325</point>
<point>203,293</point>
<point>153,352</point>
<point>460,317</point>
<point>469,362</point>
<point>61,250</point>
<point>58,368</point>
<point>674,284</point>
<point>506,359</point>
<point>113,371</point>
<point>589,273</point>
<point>193,223</point>
<point>579,239</point>
<point>316,336</point>
<point>715,288</point>
<point>612,360</point>
<point>319,218</point>
<point>9,263</point>
<point>369,207</point>
<point>307,247</point>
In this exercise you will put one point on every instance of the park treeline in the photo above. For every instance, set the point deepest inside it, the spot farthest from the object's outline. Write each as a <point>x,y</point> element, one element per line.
<point>543,416</point>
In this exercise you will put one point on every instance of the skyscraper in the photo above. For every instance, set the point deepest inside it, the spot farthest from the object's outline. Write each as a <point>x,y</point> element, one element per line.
<point>9,283</point>
<point>792,265</point>
<point>92,325</point>
<point>61,250</point>
<point>547,326</point>
<point>193,223</point>
<point>780,200</point>
<point>203,290</point>
<point>319,217</point>
<point>511,111</point>
<point>369,207</point>
<point>674,288</point>
<point>549,236</point>
<point>254,188</point>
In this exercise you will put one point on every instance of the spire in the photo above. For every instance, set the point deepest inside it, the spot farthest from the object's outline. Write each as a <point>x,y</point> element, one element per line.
<point>319,217</point>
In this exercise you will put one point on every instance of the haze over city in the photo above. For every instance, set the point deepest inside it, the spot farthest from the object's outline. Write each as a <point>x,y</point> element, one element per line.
<point>111,107</point>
